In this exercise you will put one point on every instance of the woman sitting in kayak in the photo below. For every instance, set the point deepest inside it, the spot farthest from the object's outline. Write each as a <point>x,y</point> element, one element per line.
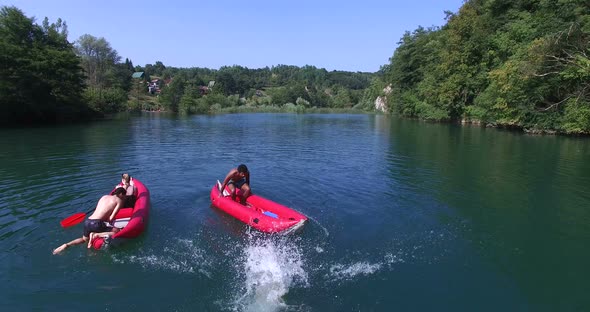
<point>131,190</point>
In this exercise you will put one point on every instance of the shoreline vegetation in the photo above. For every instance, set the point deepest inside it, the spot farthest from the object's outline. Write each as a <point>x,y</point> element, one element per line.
<point>521,65</point>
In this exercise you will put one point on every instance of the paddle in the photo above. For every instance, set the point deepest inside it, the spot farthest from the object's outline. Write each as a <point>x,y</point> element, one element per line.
<point>74,219</point>
<point>223,192</point>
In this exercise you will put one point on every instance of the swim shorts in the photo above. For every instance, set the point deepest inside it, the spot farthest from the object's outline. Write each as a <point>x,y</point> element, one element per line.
<point>96,226</point>
<point>239,183</point>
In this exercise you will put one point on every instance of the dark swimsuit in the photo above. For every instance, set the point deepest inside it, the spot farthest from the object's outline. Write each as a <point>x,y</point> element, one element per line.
<point>239,183</point>
<point>96,226</point>
<point>129,201</point>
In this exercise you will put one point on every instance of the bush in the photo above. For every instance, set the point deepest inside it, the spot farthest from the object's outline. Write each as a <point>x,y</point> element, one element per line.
<point>302,102</point>
<point>213,99</point>
<point>232,100</point>
<point>215,108</point>
<point>429,112</point>
<point>576,118</point>
<point>106,101</point>
<point>201,106</point>
<point>292,108</point>
<point>475,113</point>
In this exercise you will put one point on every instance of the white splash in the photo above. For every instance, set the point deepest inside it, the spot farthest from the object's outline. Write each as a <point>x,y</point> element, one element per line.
<point>270,269</point>
<point>391,258</point>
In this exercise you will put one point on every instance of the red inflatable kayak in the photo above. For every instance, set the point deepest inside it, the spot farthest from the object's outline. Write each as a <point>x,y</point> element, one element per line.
<point>131,220</point>
<point>260,213</point>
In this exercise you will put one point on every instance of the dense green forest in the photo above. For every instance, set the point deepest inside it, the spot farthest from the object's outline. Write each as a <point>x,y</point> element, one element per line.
<point>508,63</point>
<point>236,88</point>
<point>519,64</point>
<point>40,75</point>
<point>45,78</point>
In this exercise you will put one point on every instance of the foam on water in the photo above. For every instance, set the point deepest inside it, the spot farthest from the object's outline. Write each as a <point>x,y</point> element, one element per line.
<point>182,256</point>
<point>409,250</point>
<point>317,223</point>
<point>347,272</point>
<point>270,267</point>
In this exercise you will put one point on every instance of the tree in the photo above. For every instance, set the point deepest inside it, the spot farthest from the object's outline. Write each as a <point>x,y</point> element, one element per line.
<point>225,82</point>
<point>40,76</point>
<point>171,95</point>
<point>159,69</point>
<point>97,59</point>
<point>106,77</point>
<point>187,101</point>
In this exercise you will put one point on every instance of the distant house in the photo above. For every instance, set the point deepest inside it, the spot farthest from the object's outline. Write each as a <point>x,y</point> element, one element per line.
<point>154,86</point>
<point>138,75</point>
<point>203,90</point>
<point>206,89</point>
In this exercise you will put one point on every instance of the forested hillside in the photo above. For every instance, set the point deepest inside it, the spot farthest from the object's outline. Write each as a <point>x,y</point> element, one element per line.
<point>282,86</point>
<point>40,75</point>
<point>520,64</point>
<point>44,78</point>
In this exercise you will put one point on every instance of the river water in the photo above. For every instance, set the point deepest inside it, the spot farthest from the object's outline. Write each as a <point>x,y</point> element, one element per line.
<point>404,216</point>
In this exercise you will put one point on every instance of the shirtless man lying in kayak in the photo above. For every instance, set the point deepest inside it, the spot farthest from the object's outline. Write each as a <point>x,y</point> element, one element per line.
<point>106,210</point>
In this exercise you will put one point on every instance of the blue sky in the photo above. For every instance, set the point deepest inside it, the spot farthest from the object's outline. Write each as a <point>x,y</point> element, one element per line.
<point>335,35</point>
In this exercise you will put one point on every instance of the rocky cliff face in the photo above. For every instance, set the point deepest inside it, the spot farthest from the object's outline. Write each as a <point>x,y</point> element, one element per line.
<point>381,104</point>
<point>381,101</point>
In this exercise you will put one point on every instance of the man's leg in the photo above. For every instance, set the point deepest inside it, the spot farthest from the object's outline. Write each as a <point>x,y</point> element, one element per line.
<point>90,238</point>
<point>246,192</point>
<point>94,236</point>
<point>232,191</point>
